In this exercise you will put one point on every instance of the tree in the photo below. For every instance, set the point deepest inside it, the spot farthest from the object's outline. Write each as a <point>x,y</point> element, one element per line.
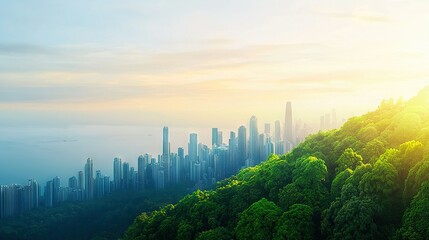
<point>415,221</point>
<point>349,159</point>
<point>296,223</point>
<point>381,182</point>
<point>258,221</point>
<point>417,175</point>
<point>308,185</point>
<point>356,220</point>
<point>219,233</point>
<point>339,181</point>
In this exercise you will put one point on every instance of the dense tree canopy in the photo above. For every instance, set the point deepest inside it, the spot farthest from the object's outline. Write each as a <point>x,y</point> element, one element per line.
<point>367,180</point>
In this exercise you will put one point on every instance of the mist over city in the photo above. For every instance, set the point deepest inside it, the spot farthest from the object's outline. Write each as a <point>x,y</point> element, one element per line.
<point>215,119</point>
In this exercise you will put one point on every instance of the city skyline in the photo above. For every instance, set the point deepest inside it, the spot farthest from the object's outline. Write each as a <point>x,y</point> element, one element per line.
<point>201,167</point>
<point>205,137</point>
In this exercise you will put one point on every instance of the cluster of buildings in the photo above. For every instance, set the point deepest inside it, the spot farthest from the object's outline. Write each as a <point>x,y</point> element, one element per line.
<point>202,166</point>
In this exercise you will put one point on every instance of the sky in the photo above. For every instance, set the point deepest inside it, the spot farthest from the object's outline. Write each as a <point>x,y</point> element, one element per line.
<point>201,64</point>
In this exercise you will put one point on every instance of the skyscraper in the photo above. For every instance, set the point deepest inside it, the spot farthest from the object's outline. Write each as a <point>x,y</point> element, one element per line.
<point>80,180</point>
<point>241,143</point>
<point>126,175</point>
<point>288,127</point>
<point>141,168</point>
<point>215,136</point>
<point>278,143</point>
<point>267,129</point>
<point>48,196</point>
<point>232,165</point>
<point>165,165</point>
<point>219,138</point>
<point>89,179</point>
<point>165,143</point>
<point>253,141</point>
<point>193,153</point>
<point>56,184</point>
<point>117,174</point>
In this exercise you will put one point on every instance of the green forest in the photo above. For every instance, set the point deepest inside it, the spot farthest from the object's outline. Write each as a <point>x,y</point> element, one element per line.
<point>367,180</point>
<point>98,219</point>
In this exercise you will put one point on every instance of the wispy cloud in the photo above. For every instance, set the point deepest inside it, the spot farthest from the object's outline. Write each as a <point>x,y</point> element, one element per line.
<point>363,17</point>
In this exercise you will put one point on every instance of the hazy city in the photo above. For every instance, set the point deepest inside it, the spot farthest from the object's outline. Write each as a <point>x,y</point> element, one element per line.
<point>214,120</point>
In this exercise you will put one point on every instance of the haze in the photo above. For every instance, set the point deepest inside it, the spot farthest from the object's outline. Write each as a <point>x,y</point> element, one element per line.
<point>76,75</point>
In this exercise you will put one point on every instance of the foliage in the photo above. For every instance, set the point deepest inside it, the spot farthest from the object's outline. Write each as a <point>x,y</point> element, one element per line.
<point>352,183</point>
<point>104,218</point>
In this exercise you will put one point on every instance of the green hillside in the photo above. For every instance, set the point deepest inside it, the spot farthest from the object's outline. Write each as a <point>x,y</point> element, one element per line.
<point>367,180</point>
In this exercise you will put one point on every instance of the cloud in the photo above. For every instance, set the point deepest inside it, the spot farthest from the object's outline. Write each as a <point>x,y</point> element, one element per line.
<point>24,49</point>
<point>363,17</point>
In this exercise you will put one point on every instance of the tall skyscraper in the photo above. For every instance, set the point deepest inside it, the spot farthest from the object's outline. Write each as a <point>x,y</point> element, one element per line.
<point>215,137</point>
<point>56,184</point>
<point>142,162</point>
<point>288,127</point>
<point>89,179</point>
<point>165,165</point>
<point>232,165</point>
<point>242,149</point>
<point>253,141</point>
<point>33,194</point>
<point>117,174</point>
<point>278,143</point>
<point>165,143</point>
<point>80,180</point>
<point>49,194</point>
<point>184,165</point>
<point>193,153</point>
<point>126,175</point>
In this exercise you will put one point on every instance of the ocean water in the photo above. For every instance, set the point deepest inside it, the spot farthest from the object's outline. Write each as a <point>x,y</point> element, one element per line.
<point>43,153</point>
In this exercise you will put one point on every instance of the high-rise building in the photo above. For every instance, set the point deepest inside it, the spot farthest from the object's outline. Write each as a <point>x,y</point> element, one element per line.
<point>219,138</point>
<point>56,185</point>
<point>184,165</point>
<point>117,174</point>
<point>261,143</point>
<point>233,165</point>
<point>33,194</point>
<point>193,153</point>
<point>73,182</point>
<point>165,142</point>
<point>288,128</point>
<point>277,132</point>
<point>267,129</point>
<point>278,143</point>
<point>254,157</point>
<point>242,149</point>
<point>99,184</point>
<point>80,180</point>
<point>89,179</point>
<point>165,157</point>
<point>142,163</point>
<point>126,175</point>
<point>49,194</point>
<point>215,137</point>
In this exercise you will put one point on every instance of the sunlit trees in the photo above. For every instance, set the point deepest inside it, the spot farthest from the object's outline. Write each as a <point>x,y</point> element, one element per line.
<point>258,221</point>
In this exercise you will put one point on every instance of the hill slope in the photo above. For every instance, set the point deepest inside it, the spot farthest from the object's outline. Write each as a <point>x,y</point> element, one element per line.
<point>367,180</point>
